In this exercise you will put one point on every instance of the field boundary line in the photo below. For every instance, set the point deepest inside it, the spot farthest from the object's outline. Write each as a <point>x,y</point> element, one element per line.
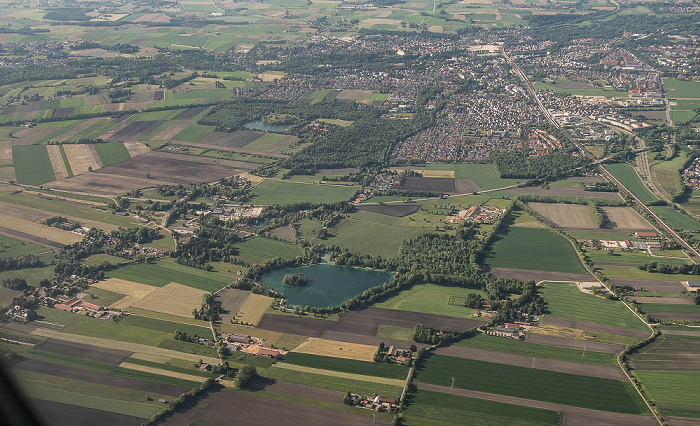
<point>342,375</point>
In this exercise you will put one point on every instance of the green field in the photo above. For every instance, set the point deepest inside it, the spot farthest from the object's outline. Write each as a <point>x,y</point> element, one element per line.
<point>675,392</point>
<point>112,153</point>
<point>265,141</point>
<point>519,347</point>
<point>541,385</point>
<point>665,175</point>
<point>278,192</point>
<point>364,237</point>
<point>430,299</point>
<point>682,88</point>
<point>330,382</point>
<point>163,272</point>
<point>676,219</point>
<point>259,249</point>
<point>10,247</point>
<point>565,300</point>
<point>486,176</point>
<point>86,326</point>
<point>597,91</point>
<point>428,407</point>
<point>682,116</point>
<point>669,308</point>
<point>636,257</point>
<point>194,133</point>
<point>534,249</point>
<point>628,176</point>
<point>385,331</point>
<point>187,347</point>
<point>102,297</point>
<point>32,164</point>
<point>165,326</point>
<point>389,371</point>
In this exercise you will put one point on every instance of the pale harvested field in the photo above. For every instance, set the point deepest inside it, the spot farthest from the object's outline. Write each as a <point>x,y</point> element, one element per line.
<point>6,152</point>
<point>57,163</point>
<point>168,373</point>
<point>39,230</point>
<point>104,183</point>
<point>153,17</point>
<point>438,173</point>
<point>626,218</point>
<point>174,299</point>
<point>381,21</point>
<point>174,127</point>
<point>151,357</point>
<point>82,157</point>
<point>96,99</point>
<point>135,292</point>
<point>349,376</point>
<point>125,346</point>
<point>353,95</point>
<point>567,215</point>
<point>31,136</point>
<point>254,308</point>
<point>356,351</point>
<point>7,174</point>
<point>136,148</point>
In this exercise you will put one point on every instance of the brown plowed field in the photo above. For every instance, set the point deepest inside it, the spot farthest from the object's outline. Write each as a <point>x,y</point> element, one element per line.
<point>59,414</point>
<point>63,112</point>
<point>82,351</point>
<point>681,421</point>
<point>95,377</point>
<point>563,342</point>
<point>525,275</point>
<point>189,113</point>
<point>237,139</point>
<point>591,326</point>
<point>526,361</point>
<point>135,130</point>
<point>362,322</point>
<point>174,168</point>
<point>394,210</point>
<point>31,136</point>
<point>567,215</point>
<point>249,409</point>
<point>174,127</point>
<point>104,183</point>
<point>231,301</point>
<point>446,185</point>
<point>694,333</point>
<point>626,218</point>
<point>649,285</point>
<point>668,353</point>
<point>303,390</point>
<point>572,415</point>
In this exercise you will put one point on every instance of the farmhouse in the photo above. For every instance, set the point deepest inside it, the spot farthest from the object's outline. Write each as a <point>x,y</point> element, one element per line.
<point>647,234</point>
<point>272,353</point>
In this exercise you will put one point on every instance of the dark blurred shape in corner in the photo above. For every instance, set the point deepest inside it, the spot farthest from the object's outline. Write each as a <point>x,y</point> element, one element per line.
<point>15,409</point>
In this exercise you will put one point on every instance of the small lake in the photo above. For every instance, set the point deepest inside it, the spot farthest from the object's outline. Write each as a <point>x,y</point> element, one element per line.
<point>259,125</point>
<point>328,284</point>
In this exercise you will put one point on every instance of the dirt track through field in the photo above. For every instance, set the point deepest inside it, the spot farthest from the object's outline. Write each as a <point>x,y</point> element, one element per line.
<point>573,416</point>
<point>563,342</point>
<point>592,326</point>
<point>537,276</point>
<point>527,361</point>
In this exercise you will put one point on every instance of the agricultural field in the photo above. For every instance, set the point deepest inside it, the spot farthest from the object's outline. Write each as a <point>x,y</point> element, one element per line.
<point>427,407</point>
<point>568,87</point>
<point>518,347</point>
<point>259,249</point>
<point>430,299</point>
<point>534,249</point>
<point>590,392</point>
<point>567,215</point>
<point>163,272</point>
<point>676,219</point>
<point>332,348</point>
<point>112,153</point>
<point>32,164</point>
<point>666,175</point>
<point>253,309</point>
<point>565,300</point>
<point>674,392</point>
<point>369,368</point>
<point>486,176</point>
<point>278,192</point>
<point>668,353</point>
<point>628,176</point>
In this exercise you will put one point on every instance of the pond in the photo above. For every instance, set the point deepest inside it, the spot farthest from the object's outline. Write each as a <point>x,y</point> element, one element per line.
<point>259,125</point>
<point>328,284</point>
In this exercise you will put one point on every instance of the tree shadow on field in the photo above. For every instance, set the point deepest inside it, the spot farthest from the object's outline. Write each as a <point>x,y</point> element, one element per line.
<point>260,384</point>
